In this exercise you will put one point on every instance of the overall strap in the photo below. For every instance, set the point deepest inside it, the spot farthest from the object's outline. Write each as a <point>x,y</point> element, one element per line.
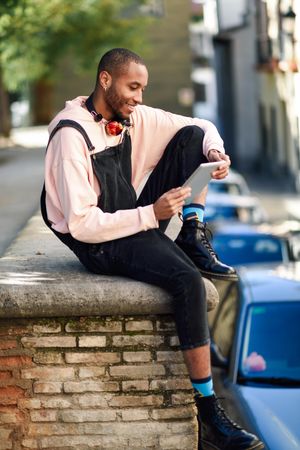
<point>67,239</point>
<point>73,124</point>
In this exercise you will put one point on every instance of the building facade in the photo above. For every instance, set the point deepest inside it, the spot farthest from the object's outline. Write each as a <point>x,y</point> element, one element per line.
<point>246,57</point>
<point>223,44</point>
<point>278,63</point>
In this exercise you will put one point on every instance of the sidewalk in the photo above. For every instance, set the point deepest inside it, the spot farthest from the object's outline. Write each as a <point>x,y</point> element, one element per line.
<point>29,137</point>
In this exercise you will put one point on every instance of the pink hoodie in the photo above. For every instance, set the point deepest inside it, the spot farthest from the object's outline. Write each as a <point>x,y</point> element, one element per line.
<point>72,189</point>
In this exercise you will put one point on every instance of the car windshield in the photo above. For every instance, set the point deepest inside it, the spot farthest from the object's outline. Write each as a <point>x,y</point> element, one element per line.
<point>236,250</point>
<point>225,188</point>
<point>270,351</point>
<point>220,212</point>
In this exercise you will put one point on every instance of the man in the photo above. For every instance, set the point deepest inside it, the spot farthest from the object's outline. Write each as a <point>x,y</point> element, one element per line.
<point>90,203</point>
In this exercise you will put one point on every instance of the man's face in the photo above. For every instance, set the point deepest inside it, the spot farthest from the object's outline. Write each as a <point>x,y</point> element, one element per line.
<point>126,90</point>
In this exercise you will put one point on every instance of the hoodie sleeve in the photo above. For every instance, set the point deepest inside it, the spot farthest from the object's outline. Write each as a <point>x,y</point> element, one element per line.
<point>157,127</point>
<point>71,196</point>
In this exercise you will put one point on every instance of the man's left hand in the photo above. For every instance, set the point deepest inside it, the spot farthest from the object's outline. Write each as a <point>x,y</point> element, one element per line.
<point>215,155</point>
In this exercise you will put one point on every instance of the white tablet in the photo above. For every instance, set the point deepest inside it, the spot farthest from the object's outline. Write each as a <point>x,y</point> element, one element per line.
<point>201,177</point>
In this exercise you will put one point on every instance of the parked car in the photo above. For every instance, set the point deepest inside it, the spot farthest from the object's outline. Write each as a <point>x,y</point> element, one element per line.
<point>230,199</point>
<point>255,337</point>
<point>222,207</point>
<point>238,244</point>
<point>234,184</point>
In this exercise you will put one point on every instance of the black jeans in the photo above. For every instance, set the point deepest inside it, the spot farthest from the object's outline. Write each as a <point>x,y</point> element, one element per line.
<point>150,256</point>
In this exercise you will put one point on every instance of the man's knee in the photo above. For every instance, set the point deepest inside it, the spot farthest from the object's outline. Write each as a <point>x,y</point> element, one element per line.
<point>192,133</point>
<point>193,281</point>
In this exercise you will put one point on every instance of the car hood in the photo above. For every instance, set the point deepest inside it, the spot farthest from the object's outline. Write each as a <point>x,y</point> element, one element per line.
<point>275,414</point>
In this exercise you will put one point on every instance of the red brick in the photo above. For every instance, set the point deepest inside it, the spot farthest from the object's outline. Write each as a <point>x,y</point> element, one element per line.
<point>10,394</point>
<point>5,345</point>
<point>15,361</point>
<point>5,375</point>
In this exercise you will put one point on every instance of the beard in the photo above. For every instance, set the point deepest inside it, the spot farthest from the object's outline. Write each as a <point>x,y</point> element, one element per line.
<point>115,103</point>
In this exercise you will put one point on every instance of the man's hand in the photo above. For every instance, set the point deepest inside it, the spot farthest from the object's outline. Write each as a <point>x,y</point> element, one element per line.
<point>171,202</point>
<point>214,155</point>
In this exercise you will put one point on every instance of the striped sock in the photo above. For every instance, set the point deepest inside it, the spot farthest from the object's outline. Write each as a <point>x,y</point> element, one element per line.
<point>203,387</point>
<point>193,210</point>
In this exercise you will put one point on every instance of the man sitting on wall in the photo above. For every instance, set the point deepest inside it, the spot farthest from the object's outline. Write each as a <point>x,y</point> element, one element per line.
<point>93,169</point>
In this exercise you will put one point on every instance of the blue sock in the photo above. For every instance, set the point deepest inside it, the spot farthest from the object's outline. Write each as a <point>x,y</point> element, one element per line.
<point>193,210</point>
<point>203,387</point>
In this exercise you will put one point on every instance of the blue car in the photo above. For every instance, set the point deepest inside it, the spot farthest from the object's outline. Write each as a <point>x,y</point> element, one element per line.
<point>242,244</point>
<point>233,184</point>
<point>255,336</point>
<point>224,207</point>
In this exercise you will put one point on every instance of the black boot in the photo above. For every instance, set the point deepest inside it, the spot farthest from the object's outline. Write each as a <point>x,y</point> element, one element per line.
<point>193,240</point>
<point>218,432</point>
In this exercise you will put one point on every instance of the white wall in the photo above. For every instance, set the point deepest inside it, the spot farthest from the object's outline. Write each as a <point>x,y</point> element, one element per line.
<point>231,13</point>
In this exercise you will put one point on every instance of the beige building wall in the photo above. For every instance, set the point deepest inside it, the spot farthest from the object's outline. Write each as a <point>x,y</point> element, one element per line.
<point>280,99</point>
<point>169,62</point>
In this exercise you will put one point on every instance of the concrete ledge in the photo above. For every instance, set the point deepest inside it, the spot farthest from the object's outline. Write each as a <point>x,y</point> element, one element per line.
<point>39,277</point>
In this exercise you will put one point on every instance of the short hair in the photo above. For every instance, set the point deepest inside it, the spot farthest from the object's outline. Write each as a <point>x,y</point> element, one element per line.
<point>116,60</point>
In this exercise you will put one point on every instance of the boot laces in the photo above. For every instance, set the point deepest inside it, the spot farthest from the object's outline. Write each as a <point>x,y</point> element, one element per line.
<point>222,416</point>
<point>205,237</point>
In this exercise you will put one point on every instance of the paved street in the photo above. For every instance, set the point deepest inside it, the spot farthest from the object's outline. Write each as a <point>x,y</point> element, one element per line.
<point>21,177</point>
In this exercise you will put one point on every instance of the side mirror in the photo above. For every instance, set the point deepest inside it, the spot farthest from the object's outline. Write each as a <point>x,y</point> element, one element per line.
<point>217,359</point>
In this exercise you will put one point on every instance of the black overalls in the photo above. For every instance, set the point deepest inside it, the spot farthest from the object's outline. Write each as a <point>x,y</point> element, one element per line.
<point>149,256</point>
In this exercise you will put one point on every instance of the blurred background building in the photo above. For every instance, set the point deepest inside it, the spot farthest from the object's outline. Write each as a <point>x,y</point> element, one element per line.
<point>278,63</point>
<point>167,55</point>
<point>234,62</point>
<point>246,57</point>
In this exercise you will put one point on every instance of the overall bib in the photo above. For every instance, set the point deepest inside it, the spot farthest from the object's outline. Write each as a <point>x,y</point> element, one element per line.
<point>148,256</point>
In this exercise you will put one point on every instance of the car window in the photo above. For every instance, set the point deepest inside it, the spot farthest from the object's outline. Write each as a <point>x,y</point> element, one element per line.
<point>248,249</point>
<point>222,324</point>
<point>225,188</point>
<point>220,212</point>
<point>271,342</point>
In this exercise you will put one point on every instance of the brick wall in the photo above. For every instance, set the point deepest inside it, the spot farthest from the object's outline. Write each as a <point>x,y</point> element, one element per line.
<point>94,383</point>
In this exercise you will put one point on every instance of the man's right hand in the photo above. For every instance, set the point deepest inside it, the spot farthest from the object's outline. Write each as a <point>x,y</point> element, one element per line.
<point>171,202</point>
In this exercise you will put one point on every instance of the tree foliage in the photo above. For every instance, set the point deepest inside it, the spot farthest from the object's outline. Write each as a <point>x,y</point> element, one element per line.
<point>35,34</point>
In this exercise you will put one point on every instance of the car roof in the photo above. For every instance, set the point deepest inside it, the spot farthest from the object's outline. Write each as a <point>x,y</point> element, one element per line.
<point>271,283</point>
<point>232,177</point>
<point>283,231</point>
<point>234,229</point>
<point>224,199</point>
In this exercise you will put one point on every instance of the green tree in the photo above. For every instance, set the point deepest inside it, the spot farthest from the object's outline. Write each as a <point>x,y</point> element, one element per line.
<point>36,34</point>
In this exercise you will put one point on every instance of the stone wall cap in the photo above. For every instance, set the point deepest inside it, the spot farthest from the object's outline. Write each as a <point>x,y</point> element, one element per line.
<point>40,277</point>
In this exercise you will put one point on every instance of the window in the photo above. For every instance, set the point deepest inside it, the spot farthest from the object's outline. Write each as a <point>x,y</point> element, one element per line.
<point>200,92</point>
<point>272,333</point>
<point>263,42</point>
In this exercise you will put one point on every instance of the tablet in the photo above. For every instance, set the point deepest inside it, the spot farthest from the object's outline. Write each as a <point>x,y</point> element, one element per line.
<point>202,175</point>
